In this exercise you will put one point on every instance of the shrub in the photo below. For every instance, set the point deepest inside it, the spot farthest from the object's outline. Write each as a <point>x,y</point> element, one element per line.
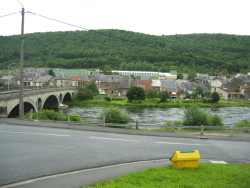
<point>178,123</point>
<point>215,97</point>
<point>75,117</point>
<point>215,120</point>
<point>84,95</point>
<point>168,123</point>
<point>164,95</point>
<point>195,116</point>
<point>107,98</point>
<point>243,123</point>
<point>114,115</point>
<point>52,115</point>
<point>135,93</point>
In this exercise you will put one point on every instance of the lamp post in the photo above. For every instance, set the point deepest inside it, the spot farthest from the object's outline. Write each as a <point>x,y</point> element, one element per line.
<point>9,76</point>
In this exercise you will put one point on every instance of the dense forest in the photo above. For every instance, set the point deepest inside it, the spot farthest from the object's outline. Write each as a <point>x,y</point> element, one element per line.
<point>125,50</point>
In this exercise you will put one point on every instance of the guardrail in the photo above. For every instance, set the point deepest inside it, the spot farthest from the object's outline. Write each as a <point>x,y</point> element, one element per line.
<point>135,124</point>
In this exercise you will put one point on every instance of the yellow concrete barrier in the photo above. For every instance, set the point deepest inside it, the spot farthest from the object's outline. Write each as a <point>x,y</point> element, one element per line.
<point>185,159</point>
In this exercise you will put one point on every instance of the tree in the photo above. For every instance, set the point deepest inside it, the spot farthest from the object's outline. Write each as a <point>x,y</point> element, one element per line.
<point>135,93</point>
<point>91,86</point>
<point>191,75</point>
<point>198,92</point>
<point>51,73</point>
<point>164,95</point>
<point>179,75</point>
<point>215,97</point>
<point>84,95</point>
<point>2,84</point>
<point>151,94</point>
<point>207,94</point>
<point>87,92</point>
<point>106,69</point>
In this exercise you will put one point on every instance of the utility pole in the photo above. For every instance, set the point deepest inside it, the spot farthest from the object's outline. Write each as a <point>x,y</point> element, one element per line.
<point>21,104</point>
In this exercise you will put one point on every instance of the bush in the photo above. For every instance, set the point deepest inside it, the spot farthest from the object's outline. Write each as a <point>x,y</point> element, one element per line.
<point>75,117</point>
<point>84,95</point>
<point>107,98</point>
<point>215,97</point>
<point>168,123</point>
<point>178,123</point>
<point>215,120</point>
<point>114,115</point>
<point>195,116</point>
<point>207,100</point>
<point>244,123</point>
<point>164,95</point>
<point>52,115</point>
<point>135,93</point>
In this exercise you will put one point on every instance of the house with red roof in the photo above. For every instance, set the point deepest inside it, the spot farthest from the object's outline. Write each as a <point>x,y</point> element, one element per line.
<point>145,84</point>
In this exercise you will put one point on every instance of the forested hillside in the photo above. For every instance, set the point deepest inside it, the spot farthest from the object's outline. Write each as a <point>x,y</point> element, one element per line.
<point>124,50</point>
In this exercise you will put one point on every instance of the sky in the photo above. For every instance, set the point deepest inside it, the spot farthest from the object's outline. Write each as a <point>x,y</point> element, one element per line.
<point>154,17</point>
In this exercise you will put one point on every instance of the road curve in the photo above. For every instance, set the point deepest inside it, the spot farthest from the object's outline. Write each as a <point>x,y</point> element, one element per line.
<point>30,152</point>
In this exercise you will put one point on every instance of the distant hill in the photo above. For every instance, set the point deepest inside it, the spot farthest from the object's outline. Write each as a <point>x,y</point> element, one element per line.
<point>125,50</point>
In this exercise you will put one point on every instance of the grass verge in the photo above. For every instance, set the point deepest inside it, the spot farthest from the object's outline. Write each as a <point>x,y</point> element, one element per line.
<point>205,176</point>
<point>179,103</point>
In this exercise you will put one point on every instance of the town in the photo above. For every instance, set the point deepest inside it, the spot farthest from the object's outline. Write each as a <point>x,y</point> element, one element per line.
<point>118,82</point>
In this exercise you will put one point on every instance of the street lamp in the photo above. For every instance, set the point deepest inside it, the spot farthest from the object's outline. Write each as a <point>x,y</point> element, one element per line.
<point>9,76</point>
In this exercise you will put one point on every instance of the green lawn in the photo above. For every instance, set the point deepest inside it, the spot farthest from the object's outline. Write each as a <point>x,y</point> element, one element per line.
<point>205,176</point>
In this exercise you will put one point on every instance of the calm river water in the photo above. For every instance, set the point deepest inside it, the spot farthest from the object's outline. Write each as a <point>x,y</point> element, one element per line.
<point>157,116</point>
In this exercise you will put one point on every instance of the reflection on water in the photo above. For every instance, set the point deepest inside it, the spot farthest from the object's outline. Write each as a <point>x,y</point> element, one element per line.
<point>157,116</point>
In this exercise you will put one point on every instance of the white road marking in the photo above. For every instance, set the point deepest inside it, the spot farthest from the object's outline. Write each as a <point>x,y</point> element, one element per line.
<point>179,143</point>
<point>100,138</point>
<point>218,162</point>
<point>33,133</point>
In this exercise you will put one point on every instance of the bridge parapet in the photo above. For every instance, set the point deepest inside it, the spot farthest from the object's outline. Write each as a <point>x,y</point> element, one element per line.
<point>15,94</point>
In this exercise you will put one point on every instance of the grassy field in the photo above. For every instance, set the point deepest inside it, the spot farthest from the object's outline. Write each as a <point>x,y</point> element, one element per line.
<point>205,176</point>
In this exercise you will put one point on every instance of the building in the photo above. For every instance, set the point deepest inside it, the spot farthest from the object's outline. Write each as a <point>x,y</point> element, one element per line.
<point>137,73</point>
<point>69,72</point>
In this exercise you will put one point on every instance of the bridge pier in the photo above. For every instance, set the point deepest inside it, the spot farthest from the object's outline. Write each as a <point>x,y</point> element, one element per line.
<point>3,112</point>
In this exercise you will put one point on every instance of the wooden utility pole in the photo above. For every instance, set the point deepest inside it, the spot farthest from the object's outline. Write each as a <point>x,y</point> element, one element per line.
<point>21,104</point>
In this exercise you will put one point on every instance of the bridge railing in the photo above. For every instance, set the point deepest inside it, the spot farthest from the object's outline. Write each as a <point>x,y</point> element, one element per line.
<point>15,94</point>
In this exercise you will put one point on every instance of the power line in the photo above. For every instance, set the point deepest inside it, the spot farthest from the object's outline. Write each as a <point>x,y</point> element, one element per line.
<point>10,14</point>
<point>57,21</point>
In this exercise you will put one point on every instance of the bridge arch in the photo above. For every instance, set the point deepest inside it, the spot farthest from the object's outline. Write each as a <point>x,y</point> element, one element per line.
<point>51,102</point>
<point>66,97</point>
<point>15,111</point>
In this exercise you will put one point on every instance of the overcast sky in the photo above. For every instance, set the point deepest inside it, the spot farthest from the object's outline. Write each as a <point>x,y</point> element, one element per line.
<point>156,17</point>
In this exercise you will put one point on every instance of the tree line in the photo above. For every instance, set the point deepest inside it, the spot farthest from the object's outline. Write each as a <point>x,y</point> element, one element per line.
<point>125,50</point>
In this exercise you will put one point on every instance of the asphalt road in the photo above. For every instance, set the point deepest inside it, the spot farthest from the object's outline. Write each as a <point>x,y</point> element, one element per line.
<point>28,152</point>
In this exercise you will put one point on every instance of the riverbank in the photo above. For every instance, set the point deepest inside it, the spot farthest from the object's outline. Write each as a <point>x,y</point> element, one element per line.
<point>179,103</point>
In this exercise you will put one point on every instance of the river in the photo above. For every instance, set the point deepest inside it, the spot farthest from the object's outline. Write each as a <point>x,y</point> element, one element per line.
<point>157,116</point>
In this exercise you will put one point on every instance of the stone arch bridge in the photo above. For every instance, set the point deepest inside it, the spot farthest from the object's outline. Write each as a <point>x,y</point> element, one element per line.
<point>38,99</point>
